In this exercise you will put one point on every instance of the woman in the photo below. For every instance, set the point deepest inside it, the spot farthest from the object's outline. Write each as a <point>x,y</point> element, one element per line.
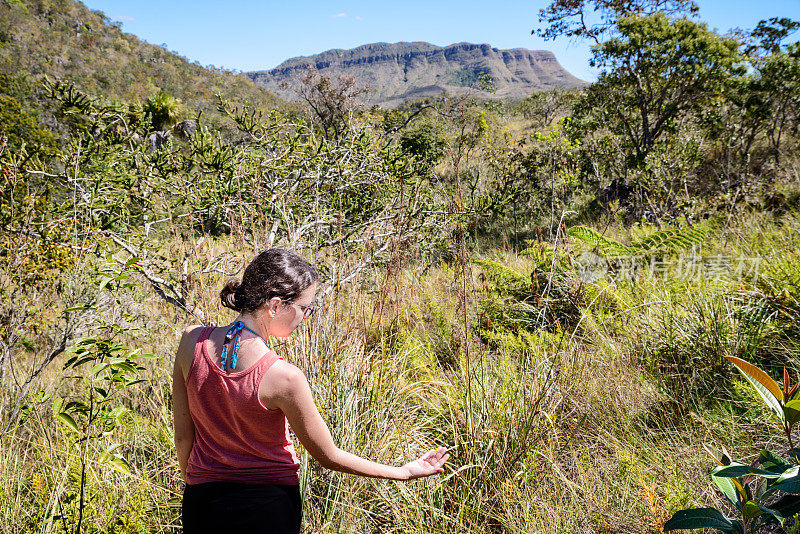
<point>234,400</point>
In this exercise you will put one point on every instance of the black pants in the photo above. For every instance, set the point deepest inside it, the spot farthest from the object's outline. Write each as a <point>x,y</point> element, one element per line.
<point>220,507</point>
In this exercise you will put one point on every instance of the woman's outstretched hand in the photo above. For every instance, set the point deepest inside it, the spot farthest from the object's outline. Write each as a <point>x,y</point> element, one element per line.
<point>428,464</point>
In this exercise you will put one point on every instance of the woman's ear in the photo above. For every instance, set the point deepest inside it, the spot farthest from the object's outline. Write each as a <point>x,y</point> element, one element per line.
<point>272,306</point>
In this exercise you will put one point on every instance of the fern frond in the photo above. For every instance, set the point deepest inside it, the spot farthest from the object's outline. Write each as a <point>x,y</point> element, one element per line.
<point>673,239</point>
<point>499,273</point>
<point>606,246</point>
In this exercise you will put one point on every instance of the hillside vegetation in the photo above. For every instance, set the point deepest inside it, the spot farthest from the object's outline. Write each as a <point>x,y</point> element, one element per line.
<point>555,290</point>
<point>64,40</point>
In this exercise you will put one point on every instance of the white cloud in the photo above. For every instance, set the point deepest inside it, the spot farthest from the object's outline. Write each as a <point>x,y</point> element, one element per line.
<point>359,18</point>
<point>339,15</point>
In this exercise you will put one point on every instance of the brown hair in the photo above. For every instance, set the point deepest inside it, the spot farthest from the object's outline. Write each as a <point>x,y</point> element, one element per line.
<point>276,272</point>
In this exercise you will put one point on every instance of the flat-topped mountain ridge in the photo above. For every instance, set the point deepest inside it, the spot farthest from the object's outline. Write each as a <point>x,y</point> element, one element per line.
<point>395,72</point>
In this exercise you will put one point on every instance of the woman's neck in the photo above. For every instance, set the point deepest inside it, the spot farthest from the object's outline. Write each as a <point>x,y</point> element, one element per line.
<point>255,324</point>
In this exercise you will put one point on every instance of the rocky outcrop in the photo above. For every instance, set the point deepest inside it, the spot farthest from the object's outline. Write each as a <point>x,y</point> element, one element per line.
<point>400,71</point>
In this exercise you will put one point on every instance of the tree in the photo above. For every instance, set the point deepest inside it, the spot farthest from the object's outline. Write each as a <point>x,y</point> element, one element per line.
<point>777,84</point>
<point>597,19</point>
<point>655,73</point>
<point>769,34</point>
<point>426,142</point>
<point>759,105</point>
<point>331,103</point>
<point>543,106</point>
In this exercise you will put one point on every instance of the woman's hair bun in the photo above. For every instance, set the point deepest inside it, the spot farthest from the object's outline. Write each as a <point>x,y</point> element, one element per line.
<point>275,272</point>
<point>228,295</point>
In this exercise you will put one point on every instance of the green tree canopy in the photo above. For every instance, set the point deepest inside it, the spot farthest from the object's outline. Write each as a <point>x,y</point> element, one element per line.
<point>655,72</point>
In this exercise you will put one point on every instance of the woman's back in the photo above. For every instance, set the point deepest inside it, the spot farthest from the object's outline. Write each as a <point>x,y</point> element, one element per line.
<point>234,452</point>
<point>237,438</point>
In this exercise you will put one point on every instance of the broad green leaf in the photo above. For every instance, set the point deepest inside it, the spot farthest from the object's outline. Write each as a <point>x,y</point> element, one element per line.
<point>789,474</point>
<point>769,390</point>
<point>699,518</point>
<point>792,411</point>
<point>83,360</point>
<point>104,282</point>
<point>67,419</point>
<point>131,261</point>
<point>78,308</point>
<point>750,510</point>
<point>97,368</point>
<point>738,469</point>
<point>76,406</point>
<point>772,462</point>
<point>125,366</point>
<point>768,515</point>
<point>728,489</point>
<point>117,412</point>
<point>121,464</point>
<point>788,482</point>
<point>786,507</point>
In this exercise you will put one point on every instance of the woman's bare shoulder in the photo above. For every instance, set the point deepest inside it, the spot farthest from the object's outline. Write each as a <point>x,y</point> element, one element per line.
<point>283,378</point>
<point>185,352</point>
<point>192,330</point>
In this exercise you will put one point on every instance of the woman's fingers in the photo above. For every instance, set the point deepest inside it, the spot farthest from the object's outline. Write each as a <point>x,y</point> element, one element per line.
<point>436,457</point>
<point>431,462</point>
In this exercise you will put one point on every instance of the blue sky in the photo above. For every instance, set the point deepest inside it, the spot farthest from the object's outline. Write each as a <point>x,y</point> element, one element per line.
<point>259,35</point>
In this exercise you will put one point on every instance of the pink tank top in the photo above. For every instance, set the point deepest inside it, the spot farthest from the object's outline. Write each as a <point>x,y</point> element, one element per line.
<point>236,437</point>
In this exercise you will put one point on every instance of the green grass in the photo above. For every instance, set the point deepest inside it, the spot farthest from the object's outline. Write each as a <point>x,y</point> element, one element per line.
<point>589,425</point>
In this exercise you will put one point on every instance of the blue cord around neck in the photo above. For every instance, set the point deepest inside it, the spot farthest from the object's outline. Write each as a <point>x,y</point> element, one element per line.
<point>233,333</point>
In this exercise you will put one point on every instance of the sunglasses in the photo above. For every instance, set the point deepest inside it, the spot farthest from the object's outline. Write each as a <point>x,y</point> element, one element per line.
<point>307,310</point>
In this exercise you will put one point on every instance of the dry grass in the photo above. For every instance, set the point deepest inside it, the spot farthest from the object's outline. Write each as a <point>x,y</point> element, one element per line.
<point>573,435</point>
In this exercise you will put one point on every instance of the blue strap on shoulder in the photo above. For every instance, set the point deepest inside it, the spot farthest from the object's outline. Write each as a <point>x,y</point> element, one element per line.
<point>233,334</point>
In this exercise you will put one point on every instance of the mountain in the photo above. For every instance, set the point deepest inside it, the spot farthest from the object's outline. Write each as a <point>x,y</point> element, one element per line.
<point>401,71</point>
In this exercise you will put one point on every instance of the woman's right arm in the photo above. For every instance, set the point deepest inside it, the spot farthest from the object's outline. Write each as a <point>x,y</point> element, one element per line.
<point>293,397</point>
<point>182,419</point>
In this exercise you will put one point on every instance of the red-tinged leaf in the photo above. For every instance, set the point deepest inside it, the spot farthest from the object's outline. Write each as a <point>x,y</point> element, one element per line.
<point>767,388</point>
<point>785,382</point>
<point>740,489</point>
<point>763,378</point>
<point>793,391</point>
